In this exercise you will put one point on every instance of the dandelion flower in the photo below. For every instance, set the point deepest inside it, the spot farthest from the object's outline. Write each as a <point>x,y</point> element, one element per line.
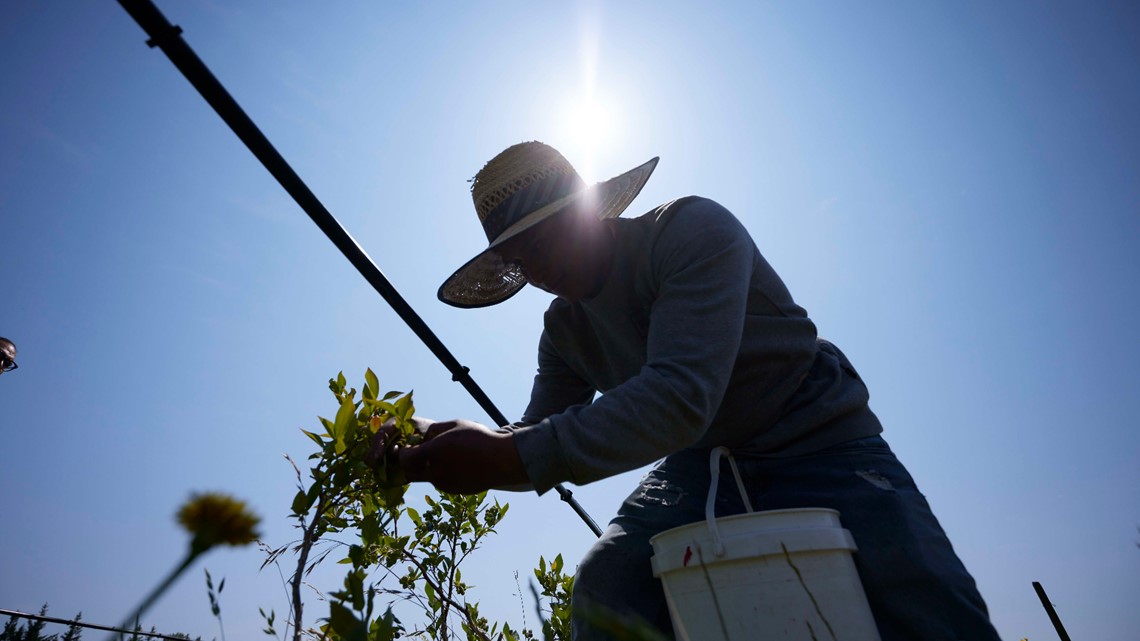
<point>214,519</point>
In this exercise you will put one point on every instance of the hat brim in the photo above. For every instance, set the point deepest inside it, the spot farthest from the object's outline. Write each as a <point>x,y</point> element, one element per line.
<point>486,280</point>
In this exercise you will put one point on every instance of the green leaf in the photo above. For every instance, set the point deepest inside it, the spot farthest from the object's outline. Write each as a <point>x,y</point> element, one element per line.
<point>300,503</point>
<point>404,407</point>
<point>312,495</point>
<point>381,405</point>
<point>342,620</point>
<point>415,517</point>
<point>354,583</point>
<point>385,627</point>
<point>370,529</point>
<point>344,417</point>
<point>356,554</point>
<point>372,384</point>
<point>316,439</point>
<point>429,592</point>
<point>393,496</point>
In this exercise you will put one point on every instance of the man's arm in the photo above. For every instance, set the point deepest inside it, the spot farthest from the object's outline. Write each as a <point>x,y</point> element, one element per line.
<point>556,387</point>
<point>498,466</point>
<point>702,271</point>
<point>702,266</point>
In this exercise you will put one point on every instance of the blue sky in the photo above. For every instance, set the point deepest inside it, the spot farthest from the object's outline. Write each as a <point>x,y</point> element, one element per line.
<point>952,191</point>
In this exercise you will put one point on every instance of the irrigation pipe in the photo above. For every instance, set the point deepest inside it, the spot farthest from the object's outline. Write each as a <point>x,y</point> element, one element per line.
<point>168,37</point>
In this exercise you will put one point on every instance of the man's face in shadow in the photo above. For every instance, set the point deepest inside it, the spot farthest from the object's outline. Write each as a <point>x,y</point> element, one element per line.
<point>567,254</point>
<point>7,355</point>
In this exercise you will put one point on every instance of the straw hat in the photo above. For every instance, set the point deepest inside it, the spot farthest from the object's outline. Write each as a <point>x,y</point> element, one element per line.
<point>519,188</point>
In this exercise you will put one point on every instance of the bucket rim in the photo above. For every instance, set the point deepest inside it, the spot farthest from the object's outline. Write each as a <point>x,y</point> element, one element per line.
<point>746,515</point>
<point>686,553</point>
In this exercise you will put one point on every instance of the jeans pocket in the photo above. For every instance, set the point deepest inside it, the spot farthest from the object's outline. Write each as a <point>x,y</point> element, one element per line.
<point>660,492</point>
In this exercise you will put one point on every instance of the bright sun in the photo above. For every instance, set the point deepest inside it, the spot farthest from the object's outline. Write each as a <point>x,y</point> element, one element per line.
<point>589,132</point>
<point>588,120</point>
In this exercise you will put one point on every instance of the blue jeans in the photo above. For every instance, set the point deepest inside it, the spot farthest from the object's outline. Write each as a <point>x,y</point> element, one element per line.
<point>915,584</point>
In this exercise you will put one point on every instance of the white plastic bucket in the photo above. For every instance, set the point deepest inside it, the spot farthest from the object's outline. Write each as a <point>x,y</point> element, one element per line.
<point>780,574</point>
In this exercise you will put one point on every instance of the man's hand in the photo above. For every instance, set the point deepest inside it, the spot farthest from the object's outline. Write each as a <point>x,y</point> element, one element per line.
<point>383,444</point>
<point>464,457</point>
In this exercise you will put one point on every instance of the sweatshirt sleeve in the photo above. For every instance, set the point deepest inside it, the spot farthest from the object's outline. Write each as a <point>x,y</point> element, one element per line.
<point>556,386</point>
<point>701,265</point>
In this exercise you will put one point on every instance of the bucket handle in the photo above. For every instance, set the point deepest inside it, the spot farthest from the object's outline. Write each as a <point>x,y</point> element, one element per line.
<point>710,505</point>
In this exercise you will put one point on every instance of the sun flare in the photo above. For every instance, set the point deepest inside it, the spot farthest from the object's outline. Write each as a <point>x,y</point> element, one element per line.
<point>588,119</point>
<point>588,129</point>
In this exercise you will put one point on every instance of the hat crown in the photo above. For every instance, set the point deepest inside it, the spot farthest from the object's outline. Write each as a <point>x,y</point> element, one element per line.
<point>522,186</point>
<point>516,168</point>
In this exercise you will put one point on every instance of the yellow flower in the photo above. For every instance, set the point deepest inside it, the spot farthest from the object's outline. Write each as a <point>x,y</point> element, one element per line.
<point>214,519</point>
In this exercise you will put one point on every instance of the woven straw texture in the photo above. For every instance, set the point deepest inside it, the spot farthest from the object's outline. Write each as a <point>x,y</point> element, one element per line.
<point>513,169</point>
<point>486,279</point>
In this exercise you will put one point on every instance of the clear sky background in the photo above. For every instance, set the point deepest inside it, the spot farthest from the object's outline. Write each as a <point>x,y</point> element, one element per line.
<point>952,190</point>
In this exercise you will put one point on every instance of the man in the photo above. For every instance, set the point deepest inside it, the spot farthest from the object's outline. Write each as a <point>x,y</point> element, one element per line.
<point>694,342</point>
<point>7,355</point>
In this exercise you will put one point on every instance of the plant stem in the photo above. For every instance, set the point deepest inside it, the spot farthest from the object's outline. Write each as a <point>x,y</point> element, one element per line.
<point>303,558</point>
<point>157,592</point>
<point>450,590</point>
<point>471,622</point>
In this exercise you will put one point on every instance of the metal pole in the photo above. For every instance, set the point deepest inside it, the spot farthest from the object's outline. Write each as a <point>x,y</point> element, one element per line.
<point>168,38</point>
<point>1050,611</point>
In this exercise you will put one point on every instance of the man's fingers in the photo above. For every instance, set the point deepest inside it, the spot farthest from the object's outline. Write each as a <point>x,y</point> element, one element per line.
<point>381,441</point>
<point>435,429</point>
<point>421,424</point>
<point>415,461</point>
<point>450,455</point>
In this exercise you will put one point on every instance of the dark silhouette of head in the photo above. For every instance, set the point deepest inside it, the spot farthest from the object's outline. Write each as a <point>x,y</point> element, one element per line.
<point>7,355</point>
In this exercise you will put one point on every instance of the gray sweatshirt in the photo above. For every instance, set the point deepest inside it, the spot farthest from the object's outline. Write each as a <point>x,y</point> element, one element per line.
<point>693,342</point>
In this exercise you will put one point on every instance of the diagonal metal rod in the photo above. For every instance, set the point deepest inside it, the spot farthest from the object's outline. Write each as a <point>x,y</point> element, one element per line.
<point>168,37</point>
<point>1048,605</point>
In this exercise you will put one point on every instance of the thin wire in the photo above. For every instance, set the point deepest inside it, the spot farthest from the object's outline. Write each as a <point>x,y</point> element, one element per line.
<point>94,626</point>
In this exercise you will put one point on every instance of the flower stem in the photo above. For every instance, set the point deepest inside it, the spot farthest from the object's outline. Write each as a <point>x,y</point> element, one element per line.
<point>157,592</point>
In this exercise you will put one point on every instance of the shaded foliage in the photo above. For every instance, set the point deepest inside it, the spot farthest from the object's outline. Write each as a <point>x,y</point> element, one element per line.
<point>396,553</point>
<point>32,630</point>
